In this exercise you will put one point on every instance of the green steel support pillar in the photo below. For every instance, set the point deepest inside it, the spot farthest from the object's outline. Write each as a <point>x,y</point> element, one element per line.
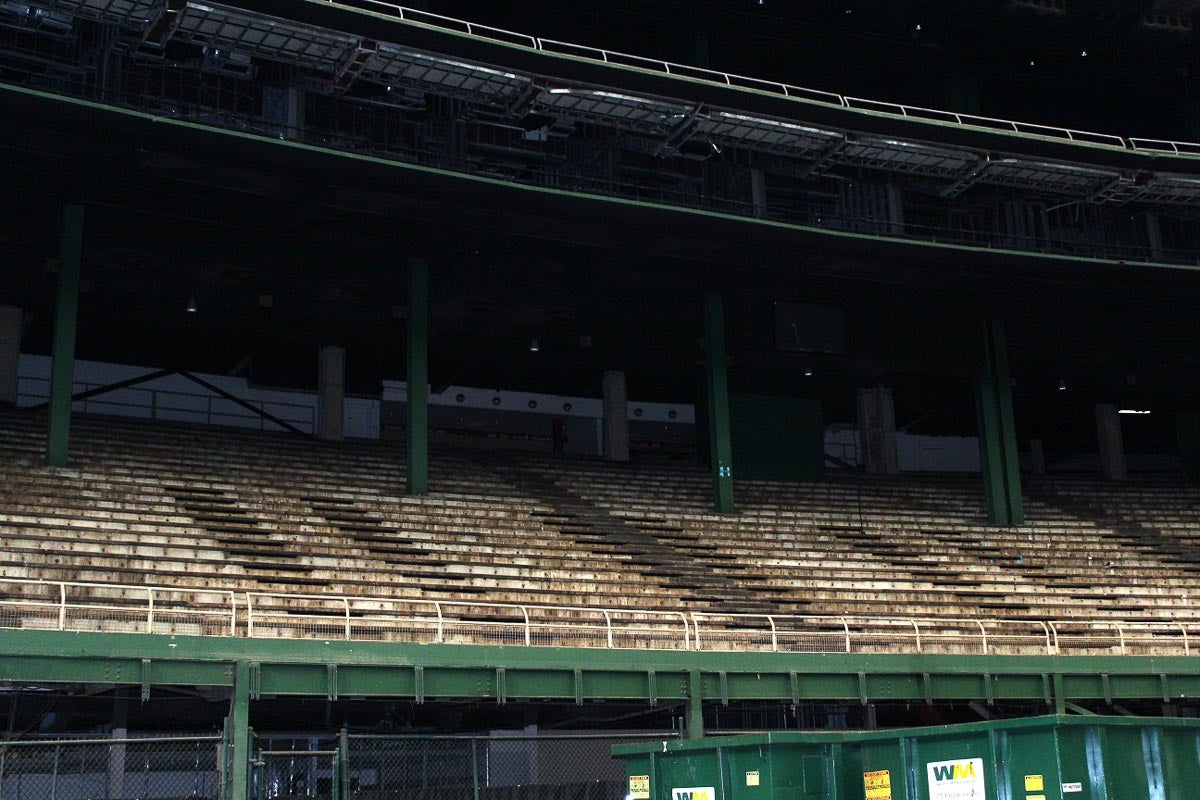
<point>342,767</point>
<point>66,307</point>
<point>997,431</point>
<point>719,439</point>
<point>239,765</point>
<point>418,376</point>
<point>695,707</point>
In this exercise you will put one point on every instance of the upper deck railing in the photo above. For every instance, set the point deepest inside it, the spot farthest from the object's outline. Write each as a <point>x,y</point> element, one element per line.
<point>777,88</point>
<point>99,607</point>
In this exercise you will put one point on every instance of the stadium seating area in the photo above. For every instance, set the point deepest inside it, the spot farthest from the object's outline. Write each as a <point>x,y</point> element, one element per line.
<point>215,509</point>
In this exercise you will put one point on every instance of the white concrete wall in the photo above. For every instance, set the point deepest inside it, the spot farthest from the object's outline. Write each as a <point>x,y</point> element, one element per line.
<point>176,398</point>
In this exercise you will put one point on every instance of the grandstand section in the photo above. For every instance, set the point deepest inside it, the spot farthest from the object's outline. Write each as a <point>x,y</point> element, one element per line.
<point>517,386</point>
<point>263,535</point>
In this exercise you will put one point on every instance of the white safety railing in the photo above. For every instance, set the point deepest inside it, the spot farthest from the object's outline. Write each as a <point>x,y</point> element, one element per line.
<point>437,21</point>
<point>858,634</point>
<point>105,607</point>
<point>294,616</point>
<point>100,607</point>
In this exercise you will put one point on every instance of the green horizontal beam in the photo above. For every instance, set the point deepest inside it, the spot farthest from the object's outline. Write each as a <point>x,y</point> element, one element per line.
<point>366,669</point>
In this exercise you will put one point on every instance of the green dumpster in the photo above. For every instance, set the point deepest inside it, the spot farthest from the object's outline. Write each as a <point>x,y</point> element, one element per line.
<point>1036,758</point>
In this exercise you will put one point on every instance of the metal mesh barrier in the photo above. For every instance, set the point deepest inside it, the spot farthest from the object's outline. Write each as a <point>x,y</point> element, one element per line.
<point>487,768</point>
<point>165,768</point>
<point>501,767</point>
<point>312,774</point>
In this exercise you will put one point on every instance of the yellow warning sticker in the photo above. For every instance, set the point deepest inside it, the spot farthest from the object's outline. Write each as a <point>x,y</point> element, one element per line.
<point>639,787</point>
<point>752,778</point>
<point>878,785</point>
<point>1035,797</point>
<point>1034,783</point>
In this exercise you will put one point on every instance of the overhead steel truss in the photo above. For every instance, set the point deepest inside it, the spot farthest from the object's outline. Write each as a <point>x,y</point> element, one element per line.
<point>391,65</point>
<point>265,37</point>
<point>133,14</point>
<point>640,114</point>
<point>765,135</point>
<point>344,59</point>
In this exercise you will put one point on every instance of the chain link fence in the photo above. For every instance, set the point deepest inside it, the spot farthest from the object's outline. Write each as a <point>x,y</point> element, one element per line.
<point>160,768</point>
<point>499,767</point>
<point>320,767</point>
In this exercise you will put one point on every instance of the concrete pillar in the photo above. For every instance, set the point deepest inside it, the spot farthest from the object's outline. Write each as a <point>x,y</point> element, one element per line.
<point>10,349</point>
<point>1037,456</point>
<point>1112,447</point>
<point>1154,235</point>
<point>877,431</point>
<point>285,108</point>
<point>1187,434</point>
<point>616,417</point>
<point>895,201</point>
<point>758,192</point>
<point>295,112</point>
<point>331,392</point>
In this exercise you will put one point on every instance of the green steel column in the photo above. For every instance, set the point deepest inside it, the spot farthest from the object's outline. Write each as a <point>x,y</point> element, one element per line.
<point>997,431</point>
<point>66,307</point>
<point>418,376</point>
<point>239,772</point>
<point>695,707</point>
<point>719,439</point>
<point>342,766</point>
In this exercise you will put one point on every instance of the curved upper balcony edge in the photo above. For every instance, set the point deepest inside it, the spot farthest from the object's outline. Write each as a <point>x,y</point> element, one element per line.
<point>865,106</point>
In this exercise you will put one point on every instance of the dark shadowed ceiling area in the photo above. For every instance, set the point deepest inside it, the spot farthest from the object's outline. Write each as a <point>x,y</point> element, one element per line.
<point>285,249</point>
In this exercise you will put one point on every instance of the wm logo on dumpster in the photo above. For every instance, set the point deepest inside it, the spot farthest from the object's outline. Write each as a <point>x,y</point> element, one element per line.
<point>953,772</point>
<point>694,793</point>
<point>956,780</point>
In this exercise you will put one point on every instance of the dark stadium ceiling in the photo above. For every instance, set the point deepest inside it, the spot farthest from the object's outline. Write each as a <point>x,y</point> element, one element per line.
<point>285,250</point>
<point>514,98</point>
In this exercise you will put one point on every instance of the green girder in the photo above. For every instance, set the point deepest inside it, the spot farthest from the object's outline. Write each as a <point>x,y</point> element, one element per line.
<point>341,669</point>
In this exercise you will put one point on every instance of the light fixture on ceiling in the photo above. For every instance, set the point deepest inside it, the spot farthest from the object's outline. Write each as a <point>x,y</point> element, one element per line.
<point>808,372</point>
<point>1062,385</point>
<point>533,346</point>
<point>191,305</point>
<point>1132,411</point>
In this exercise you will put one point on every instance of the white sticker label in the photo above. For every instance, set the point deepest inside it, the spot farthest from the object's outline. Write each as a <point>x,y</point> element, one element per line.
<point>956,780</point>
<point>1071,788</point>
<point>694,793</point>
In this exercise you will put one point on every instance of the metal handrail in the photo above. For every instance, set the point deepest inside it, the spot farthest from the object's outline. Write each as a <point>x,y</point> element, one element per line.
<point>150,608</point>
<point>412,16</point>
<point>717,627</point>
